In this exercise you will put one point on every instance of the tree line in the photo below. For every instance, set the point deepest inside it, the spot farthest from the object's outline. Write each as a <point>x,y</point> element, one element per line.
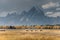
<point>32,27</point>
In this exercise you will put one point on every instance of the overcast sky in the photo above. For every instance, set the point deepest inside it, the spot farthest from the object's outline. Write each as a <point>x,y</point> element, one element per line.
<point>10,6</point>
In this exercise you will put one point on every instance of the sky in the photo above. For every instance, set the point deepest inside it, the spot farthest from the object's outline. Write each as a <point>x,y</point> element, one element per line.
<point>10,6</point>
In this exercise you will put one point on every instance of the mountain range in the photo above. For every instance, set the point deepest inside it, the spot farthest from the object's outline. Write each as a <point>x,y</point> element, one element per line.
<point>34,16</point>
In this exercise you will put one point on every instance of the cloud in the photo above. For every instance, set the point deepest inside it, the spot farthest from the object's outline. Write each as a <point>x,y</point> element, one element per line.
<point>5,13</point>
<point>53,14</point>
<point>57,8</point>
<point>50,4</point>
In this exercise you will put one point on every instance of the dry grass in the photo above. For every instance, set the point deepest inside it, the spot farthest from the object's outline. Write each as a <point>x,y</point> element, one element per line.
<point>23,35</point>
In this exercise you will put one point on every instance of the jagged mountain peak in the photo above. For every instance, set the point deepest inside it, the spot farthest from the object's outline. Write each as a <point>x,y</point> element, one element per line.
<point>36,9</point>
<point>33,16</point>
<point>24,12</point>
<point>12,14</point>
<point>33,9</point>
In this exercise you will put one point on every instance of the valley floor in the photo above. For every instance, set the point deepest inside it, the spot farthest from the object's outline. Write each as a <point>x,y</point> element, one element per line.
<point>27,34</point>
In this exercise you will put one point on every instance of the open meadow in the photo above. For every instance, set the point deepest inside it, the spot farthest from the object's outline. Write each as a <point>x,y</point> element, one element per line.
<point>28,34</point>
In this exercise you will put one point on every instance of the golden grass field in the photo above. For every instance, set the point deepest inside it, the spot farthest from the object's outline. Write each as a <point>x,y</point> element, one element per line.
<point>30,34</point>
